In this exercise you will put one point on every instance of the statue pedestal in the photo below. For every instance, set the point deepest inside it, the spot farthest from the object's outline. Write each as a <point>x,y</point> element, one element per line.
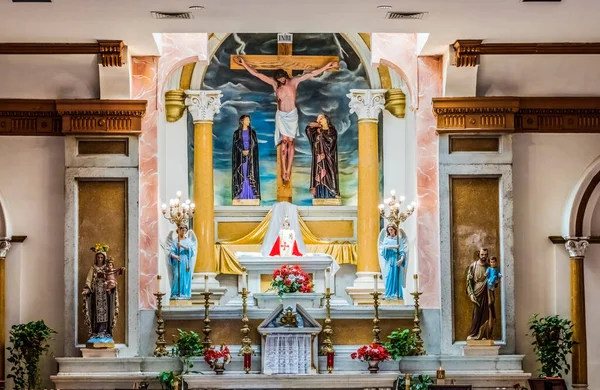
<point>180,302</point>
<point>99,352</point>
<point>481,348</point>
<point>245,202</point>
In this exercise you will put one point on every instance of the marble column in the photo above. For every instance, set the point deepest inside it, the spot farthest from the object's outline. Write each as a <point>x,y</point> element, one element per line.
<point>576,246</point>
<point>4,248</point>
<point>203,106</point>
<point>367,104</point>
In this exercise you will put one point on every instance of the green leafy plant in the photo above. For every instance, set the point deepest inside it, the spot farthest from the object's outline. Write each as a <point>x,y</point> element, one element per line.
<point>29,342</point>
<point>401,343</point>
<point>417,382</point>
<point>187,345</point>
<point>552,343</point>
<point>167,380</point>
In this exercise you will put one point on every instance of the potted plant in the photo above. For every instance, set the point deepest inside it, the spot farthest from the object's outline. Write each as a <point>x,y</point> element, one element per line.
<point>167,380</point>
<point>29,341</point>
<point>217,358</point>
<point>552,343</point>
<point>291,279</point>
<point>372,354</point>
<point>416,382</point>
<point>187,345</point>
<point>401,343</point>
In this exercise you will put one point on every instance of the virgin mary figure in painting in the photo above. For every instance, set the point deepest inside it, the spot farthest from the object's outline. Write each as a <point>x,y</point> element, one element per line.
<point>182,248</point>
<point>100,297</point>
<point>324,175</point>
<point>245,177</point>
<point>393,256</point>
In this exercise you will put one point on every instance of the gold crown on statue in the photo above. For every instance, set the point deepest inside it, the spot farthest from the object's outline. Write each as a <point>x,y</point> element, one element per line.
<point>99,248</point>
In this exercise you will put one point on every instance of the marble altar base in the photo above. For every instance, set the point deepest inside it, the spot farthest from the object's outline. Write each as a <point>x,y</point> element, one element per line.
<point>272,300</point>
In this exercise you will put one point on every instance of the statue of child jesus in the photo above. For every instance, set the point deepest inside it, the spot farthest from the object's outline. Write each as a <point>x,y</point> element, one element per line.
<point>110,274</point>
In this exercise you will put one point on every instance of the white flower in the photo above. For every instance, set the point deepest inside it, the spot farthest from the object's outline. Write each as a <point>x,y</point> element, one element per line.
<point>278,279</point>
<point>292,277</point>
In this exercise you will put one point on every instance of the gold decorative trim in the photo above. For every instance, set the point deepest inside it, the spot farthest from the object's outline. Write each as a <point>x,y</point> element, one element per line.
<point>514,114</point>
<point>327,202</point>
<point>468,51</point>
<point>60,117</point>
<point>109,51</point>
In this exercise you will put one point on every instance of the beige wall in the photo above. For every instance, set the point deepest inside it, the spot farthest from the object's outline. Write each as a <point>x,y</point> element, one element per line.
<point>32,183</point>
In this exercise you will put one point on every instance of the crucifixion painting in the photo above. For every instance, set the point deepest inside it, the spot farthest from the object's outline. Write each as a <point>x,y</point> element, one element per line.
<point>285,88</point>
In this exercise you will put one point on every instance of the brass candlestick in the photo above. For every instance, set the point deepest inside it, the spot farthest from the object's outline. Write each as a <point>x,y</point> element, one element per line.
<point>376,329</point>
<point>327,346</point>
<point>207,343</point>
<point>417,324</point>
<point>161,343</point>
<point>246,351</point>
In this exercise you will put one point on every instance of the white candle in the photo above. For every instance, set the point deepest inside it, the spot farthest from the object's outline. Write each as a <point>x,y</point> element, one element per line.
<point>416,276</point>
<point>205,283</point>
<point>244,280</point>
<point>327,279</point>
<point>376,277</point>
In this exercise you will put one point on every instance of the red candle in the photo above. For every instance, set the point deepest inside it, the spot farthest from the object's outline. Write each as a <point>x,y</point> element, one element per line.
<point>330,359</point>
<point>247,362</point>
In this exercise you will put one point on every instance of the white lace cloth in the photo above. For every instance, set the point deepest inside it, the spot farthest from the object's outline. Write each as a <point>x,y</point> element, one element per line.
<point>288,354</point>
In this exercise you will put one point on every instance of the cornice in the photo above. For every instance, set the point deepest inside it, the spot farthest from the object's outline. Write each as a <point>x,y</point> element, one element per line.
<point>518,114</point>
<point>468,51</point>
<point>60,117</point>
<point>110,52</point>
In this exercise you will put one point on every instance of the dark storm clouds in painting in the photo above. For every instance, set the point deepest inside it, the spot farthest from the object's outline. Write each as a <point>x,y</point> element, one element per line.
<point>245,94</point>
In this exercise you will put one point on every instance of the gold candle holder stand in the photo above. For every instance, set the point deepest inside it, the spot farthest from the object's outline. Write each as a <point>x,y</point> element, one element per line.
<point>376,329</point>
<point>417,325</point>
<point>161,349</point>
<point>327,345</point>
<point>246,349</point>
<point>207,343</point>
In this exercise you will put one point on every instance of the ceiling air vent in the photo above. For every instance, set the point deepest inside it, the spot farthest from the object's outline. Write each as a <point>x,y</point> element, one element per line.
<point>405,15</point>
<point>172,15</point>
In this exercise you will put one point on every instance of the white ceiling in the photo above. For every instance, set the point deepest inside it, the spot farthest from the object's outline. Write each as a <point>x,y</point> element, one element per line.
<point>448,20</point>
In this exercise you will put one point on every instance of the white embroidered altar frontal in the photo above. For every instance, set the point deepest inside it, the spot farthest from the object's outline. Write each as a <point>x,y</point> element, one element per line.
<point>288,354</point>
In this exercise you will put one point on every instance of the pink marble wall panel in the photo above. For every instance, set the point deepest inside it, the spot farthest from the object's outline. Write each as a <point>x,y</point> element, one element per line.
<point>144,86</point>
<point>428,238</point>
<point>398,51</point>
<point>176,51</point>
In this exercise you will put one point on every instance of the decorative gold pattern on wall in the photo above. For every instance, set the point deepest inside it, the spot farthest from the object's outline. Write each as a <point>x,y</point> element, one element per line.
<point>101,146</point>
<point>328,229</point>
<point>468,51</point>
<point>474,144</point>
<point>110,52</point>
<point>518,114</point>
<point>102,218</point>
<point>57,117</point>
<point>475,223</point>
<point>345,331</point>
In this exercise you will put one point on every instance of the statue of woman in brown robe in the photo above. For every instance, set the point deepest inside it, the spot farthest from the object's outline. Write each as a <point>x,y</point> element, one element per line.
<point>484,313</point>
<point>324,175</point>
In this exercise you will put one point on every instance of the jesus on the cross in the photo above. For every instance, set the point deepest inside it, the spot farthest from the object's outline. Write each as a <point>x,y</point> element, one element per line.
<point>286,118</point>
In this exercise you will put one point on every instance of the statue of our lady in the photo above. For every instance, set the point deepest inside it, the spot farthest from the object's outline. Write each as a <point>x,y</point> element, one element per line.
<point>245,176</point>
<point>393,258</point>
<point>181,248</point>
<point>100,298</point>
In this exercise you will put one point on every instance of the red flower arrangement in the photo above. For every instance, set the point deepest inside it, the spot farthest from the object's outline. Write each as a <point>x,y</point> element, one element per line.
<point>221,355</point>
<point>375,352</point>
<point>291,279</point>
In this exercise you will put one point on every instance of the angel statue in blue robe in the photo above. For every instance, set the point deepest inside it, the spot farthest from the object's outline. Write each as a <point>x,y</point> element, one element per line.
<point>182,248</point>
<point>393,258</point>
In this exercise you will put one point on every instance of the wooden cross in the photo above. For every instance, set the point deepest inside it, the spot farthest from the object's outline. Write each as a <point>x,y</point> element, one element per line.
<point>288,62</point>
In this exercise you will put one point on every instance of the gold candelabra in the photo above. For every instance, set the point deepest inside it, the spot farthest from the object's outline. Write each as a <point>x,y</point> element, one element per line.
<point>207,343</point>
<point>417,321</point>
<point>161,343</point>
<point>396,216</point>
<point>246,351</point>
<point>327,346</point>
<point>376,329</point>
<point>178,212</point>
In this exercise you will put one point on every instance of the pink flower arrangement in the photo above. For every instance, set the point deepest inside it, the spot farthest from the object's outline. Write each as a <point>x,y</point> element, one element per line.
<point>291,279</point>
<point>213,355</point>
<point>374,352</point>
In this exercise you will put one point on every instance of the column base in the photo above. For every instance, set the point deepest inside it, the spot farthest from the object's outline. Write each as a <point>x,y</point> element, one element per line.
<point>198,287</point>
<point>580,386</point>
<point>363,287</point>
